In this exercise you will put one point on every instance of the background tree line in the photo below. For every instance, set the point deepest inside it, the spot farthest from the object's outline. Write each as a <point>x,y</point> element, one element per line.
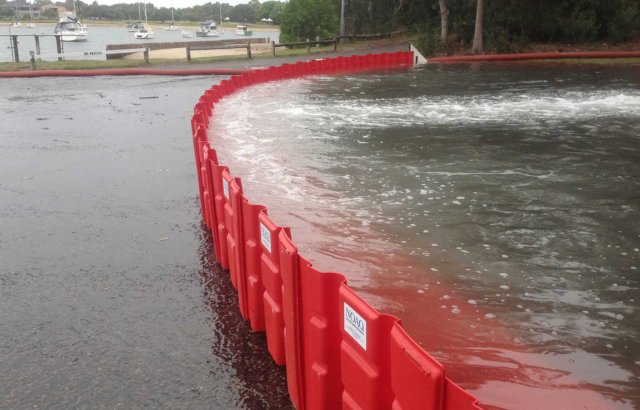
<point>505,24</point>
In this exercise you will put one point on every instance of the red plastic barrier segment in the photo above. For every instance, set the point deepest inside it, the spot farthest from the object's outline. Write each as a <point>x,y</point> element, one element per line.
<point>321,337</point>
<point>536,56</point>
<point>253,274</point>
<point>211,160</point>
<point>417,379</point>
<point>364,353</point>
<point>122,71</point>
<point>312,319</point>
<point>198,135</point>
<point>219,201</point>
<point>458,399</point>
<point>206,186</point>
<point>292,308</point>
<point>232,187</point>
<point>272,282</point>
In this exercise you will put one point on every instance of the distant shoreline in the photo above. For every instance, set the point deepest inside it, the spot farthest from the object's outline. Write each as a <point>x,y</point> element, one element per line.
<point>152,24</point>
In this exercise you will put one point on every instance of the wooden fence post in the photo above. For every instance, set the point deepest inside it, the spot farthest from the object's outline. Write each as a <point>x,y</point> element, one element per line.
<point>16,53</point>
<point>37,40</point>
<point>188,52</point>
<point>146,55</point>
<point>273,47</point>
<point>59,45</point>
<point>308,47</point>
<point>335,44</point>
<point>249,49</point>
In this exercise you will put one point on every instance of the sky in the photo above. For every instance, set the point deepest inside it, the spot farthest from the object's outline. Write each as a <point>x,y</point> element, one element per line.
<point>169,3</point>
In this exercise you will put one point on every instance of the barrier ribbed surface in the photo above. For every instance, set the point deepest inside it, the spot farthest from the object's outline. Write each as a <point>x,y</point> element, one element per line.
<point>338,350</point>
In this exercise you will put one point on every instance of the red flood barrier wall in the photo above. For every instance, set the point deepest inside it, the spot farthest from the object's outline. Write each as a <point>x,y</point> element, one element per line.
<point>339,352</point>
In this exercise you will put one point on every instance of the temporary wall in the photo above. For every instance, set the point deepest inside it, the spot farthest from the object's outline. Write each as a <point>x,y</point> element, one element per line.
<point>339,351</point>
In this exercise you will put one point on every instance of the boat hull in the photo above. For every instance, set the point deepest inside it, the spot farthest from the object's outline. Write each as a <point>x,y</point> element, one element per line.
<point>73,36</point>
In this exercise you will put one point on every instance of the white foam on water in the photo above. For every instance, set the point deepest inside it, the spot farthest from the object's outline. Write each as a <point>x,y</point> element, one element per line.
<point>528,109</point>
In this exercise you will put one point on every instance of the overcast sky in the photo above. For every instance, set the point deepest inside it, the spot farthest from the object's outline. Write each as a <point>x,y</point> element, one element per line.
<point>168,3</point>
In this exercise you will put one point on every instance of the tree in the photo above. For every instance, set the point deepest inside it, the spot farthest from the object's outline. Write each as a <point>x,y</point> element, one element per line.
<point>444,21</point>
<point>244,13</point>
<point>272,10</point>
<point>302,19</point>
<point>478,47</point>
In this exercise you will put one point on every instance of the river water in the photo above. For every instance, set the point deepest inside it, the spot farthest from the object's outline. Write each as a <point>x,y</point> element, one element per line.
<point>494,208</point>
<point>98,39</point>
<point>109,297</point>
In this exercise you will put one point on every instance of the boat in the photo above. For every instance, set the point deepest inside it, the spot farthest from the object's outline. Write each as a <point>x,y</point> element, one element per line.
<point>187,34</point>
<point>208,28</point>
<point>242,30</point>
<point>172,27</point>
<point>133,27</point>
<point>70,30</point>
<point>144,34</point>
<point>30,24</point>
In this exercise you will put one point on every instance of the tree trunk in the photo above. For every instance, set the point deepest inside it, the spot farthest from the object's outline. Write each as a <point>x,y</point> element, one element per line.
<point>478,48</point>
<point>444,21</point>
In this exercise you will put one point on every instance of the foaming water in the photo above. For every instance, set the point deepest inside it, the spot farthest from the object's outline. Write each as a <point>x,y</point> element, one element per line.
<point>496,204</point>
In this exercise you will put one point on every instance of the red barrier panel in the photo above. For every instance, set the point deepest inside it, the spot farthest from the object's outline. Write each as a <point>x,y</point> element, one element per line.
<point>219,201</point>
<point>417,379</point>
<point>199,138</point>
<point>321,337</point>
<point>253,275</point>
<point>205,184</point>
<point>458,399</point>
<point>364,353</point>
<point>339,351</point>
<point>291,304</point>
<point>272,282</point>
<point>232,190</point>
<point>537,56</point>
<point>211,160</point>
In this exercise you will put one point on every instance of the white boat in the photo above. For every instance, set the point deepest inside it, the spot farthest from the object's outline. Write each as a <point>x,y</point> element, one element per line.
<point>242,30</point>
<point>70,30</point>
<point>133,27</point>
<point>209,28</point>
<point>30,25</point>
<point>144,34</point>
<point>172,27</point>
<point>17,24</point>
<point>187,34</point>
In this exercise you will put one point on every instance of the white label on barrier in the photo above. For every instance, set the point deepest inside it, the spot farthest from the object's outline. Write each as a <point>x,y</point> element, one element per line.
<point>355,326</point>
<point>265,237</point>
<point>225,188</point>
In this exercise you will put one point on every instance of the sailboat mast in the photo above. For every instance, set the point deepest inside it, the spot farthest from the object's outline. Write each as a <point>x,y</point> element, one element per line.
<point>139,13</point>
<point>17,14</point>
<point>145,13</point>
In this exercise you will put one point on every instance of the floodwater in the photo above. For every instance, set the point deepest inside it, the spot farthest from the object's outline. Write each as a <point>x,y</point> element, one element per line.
<point>109,297</point>
<point>494,208</point>
<point>98,39</point>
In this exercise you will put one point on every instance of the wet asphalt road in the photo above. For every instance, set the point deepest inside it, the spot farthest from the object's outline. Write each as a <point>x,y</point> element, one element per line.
<point>108,295</point>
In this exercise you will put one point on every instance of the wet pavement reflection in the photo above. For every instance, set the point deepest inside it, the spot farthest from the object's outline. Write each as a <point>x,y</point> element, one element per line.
<point>108,294</point>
